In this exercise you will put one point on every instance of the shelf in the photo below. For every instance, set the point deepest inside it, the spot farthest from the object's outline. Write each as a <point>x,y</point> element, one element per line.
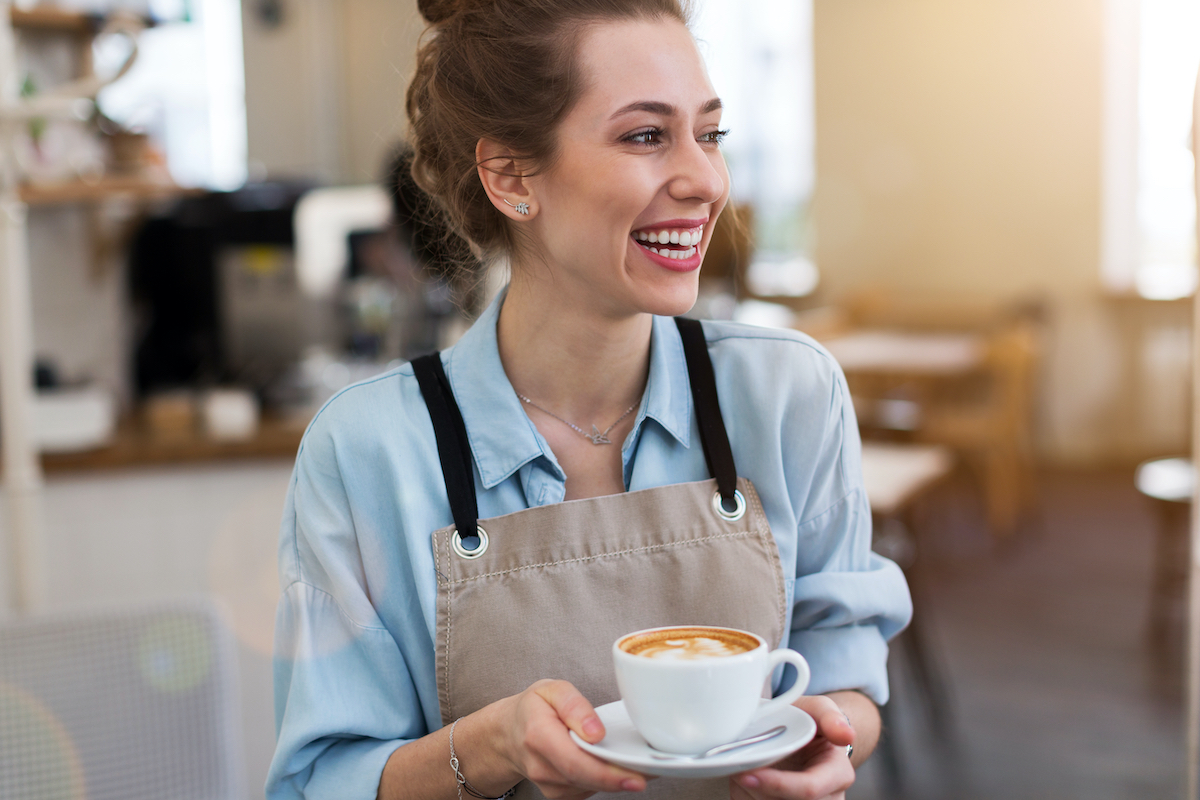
<point>46,194</point>
<point>54,20</point>
<point>133,447</point>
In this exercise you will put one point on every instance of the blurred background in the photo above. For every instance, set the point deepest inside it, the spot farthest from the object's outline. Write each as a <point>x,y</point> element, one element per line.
<point>984,210</point>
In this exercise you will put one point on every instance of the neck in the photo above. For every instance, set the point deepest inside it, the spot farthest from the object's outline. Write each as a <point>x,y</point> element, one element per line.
<point>579,363</point>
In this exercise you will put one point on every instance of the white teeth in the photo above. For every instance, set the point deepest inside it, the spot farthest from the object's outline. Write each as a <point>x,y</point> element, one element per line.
<point>686,239</point>
<point>678,255</point>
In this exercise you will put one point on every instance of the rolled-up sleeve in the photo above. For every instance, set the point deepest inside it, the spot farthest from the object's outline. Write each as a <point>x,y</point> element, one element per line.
<point>847,601</point>
<point>344,695</point>
<point>843,616</point>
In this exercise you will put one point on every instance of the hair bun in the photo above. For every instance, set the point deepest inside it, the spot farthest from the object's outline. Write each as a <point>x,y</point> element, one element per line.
<point>435,11</point>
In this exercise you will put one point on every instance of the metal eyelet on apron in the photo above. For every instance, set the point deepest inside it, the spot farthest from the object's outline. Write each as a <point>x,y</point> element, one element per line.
<point>739,509</point>
<point>456,543</point>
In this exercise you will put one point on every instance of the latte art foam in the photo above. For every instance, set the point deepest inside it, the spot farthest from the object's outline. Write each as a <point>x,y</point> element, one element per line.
<point>687,644</point>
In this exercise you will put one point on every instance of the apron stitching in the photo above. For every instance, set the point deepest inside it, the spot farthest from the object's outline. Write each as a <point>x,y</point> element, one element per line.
<point>773,552</point>
<point>629,551</point>
<point>449,617</point>
<point>437,559</point>
<point>437,562</point>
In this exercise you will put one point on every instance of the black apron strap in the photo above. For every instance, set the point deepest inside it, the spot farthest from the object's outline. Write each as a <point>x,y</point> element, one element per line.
<point>713,436</point>
<point>454,450</point>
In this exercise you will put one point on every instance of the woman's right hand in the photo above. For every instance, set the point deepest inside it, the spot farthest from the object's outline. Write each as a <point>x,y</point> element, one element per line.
<point>535,741</point>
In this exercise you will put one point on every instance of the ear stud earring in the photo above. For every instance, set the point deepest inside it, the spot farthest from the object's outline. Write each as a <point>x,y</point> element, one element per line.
<point>521,208</point>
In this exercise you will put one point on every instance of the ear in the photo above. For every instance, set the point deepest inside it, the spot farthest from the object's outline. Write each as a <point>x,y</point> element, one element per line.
<point>500,172</point>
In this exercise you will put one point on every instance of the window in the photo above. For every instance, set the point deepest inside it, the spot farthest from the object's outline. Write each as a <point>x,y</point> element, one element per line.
<point>1150,202</point>
<point>187,90</point>
<point>759,53</point>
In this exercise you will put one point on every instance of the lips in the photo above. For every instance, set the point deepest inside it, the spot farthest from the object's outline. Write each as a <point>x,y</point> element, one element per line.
<point>674,242</point>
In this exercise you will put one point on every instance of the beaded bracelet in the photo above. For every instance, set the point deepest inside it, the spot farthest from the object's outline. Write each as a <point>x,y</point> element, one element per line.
<point>462,781</point>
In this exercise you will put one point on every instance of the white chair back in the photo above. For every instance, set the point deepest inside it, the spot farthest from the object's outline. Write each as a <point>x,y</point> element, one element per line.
<point>132,705</point>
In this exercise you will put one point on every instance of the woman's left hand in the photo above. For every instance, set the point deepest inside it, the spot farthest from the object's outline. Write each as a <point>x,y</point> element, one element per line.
<point>821,769</point>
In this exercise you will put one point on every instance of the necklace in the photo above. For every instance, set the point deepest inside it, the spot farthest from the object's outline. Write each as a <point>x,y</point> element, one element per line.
<point>597,436</point>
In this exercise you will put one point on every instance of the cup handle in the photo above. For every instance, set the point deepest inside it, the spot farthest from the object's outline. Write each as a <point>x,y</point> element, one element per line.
<point>785,655</point>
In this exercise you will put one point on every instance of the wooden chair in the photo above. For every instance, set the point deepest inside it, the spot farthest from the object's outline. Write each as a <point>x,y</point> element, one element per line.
<point>992,431</point>
<point>984,413</point>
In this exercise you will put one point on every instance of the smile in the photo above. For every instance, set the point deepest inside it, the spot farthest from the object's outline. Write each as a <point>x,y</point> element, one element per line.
<point>673,243</point>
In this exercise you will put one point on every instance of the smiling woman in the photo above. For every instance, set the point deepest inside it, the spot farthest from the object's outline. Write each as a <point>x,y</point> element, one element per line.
<point>447,617</point>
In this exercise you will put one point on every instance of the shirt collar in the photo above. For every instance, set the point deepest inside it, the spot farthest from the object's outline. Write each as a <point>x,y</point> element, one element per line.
<point>668,393</point>
<point>502,437</point>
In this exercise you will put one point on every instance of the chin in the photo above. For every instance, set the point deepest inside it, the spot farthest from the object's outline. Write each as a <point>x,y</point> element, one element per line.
<point>673,301</point>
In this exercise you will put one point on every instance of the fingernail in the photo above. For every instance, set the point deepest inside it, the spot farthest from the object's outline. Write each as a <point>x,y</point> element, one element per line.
<point>593,728</point>
<point>749,781</point>
<point>630,785</point>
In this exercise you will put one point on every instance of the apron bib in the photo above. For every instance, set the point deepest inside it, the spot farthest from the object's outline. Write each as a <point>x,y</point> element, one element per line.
<point>544,592</point>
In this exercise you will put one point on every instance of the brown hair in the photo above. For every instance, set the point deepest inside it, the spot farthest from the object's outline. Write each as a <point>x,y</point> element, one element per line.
<point>501,70</point>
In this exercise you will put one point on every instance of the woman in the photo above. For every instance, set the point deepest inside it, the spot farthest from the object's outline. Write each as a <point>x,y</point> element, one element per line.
<point>581,140</point>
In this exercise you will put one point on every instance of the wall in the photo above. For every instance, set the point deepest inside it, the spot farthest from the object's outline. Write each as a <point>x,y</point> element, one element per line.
<point>325,89</point>
<point>959,155</point>
<point>959,143</point>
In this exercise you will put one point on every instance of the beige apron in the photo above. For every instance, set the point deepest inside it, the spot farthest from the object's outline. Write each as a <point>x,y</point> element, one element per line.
<point>544,592</point>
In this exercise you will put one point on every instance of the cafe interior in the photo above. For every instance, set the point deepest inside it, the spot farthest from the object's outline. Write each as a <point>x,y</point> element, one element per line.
<point>984,211</point>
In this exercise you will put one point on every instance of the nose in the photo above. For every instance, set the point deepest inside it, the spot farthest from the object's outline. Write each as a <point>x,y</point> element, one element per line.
<point>699,174</point>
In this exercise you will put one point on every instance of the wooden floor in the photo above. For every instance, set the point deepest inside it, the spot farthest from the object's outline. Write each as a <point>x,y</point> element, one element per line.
<point>1054,692</point>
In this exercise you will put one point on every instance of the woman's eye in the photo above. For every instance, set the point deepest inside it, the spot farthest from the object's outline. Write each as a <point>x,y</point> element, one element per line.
<point>648,136</point>
<point>714,137</point>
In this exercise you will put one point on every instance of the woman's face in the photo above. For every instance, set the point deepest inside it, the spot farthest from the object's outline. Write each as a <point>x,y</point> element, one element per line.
<point>639,170</point>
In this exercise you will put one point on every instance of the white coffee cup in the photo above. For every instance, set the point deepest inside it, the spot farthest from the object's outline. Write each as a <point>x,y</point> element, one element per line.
<point>691,687</point>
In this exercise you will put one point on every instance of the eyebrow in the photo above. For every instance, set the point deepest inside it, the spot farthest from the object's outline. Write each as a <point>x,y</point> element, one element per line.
<point>665,109</point>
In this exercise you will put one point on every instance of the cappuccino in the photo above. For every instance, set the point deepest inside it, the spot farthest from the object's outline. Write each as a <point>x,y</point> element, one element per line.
<point>688,644</point>
<point>692,687</point>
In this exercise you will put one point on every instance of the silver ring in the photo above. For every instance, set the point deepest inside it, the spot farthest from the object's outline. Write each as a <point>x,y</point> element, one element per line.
<point>738,511</point>
<point>470,555</point>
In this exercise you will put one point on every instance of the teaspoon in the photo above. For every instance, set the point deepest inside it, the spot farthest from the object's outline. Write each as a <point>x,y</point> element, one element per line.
<point>723,748</point>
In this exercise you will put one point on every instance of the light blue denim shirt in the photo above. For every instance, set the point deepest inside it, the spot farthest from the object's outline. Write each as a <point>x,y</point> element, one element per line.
<point>354,650</point>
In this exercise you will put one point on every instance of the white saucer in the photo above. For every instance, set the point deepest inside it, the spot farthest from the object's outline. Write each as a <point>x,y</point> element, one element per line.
<point>624,746</point>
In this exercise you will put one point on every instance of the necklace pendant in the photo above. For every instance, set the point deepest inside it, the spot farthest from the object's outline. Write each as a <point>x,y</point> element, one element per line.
<point>597,437</point>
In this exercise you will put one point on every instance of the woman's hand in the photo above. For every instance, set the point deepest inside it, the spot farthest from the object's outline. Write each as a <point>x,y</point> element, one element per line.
<point>821,769</point>
<point>536,743</point>
<point>520,737</point>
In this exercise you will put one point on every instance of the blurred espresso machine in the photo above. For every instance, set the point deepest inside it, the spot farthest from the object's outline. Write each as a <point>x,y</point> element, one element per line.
<point>283,289</point>
<point>215,295</point>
